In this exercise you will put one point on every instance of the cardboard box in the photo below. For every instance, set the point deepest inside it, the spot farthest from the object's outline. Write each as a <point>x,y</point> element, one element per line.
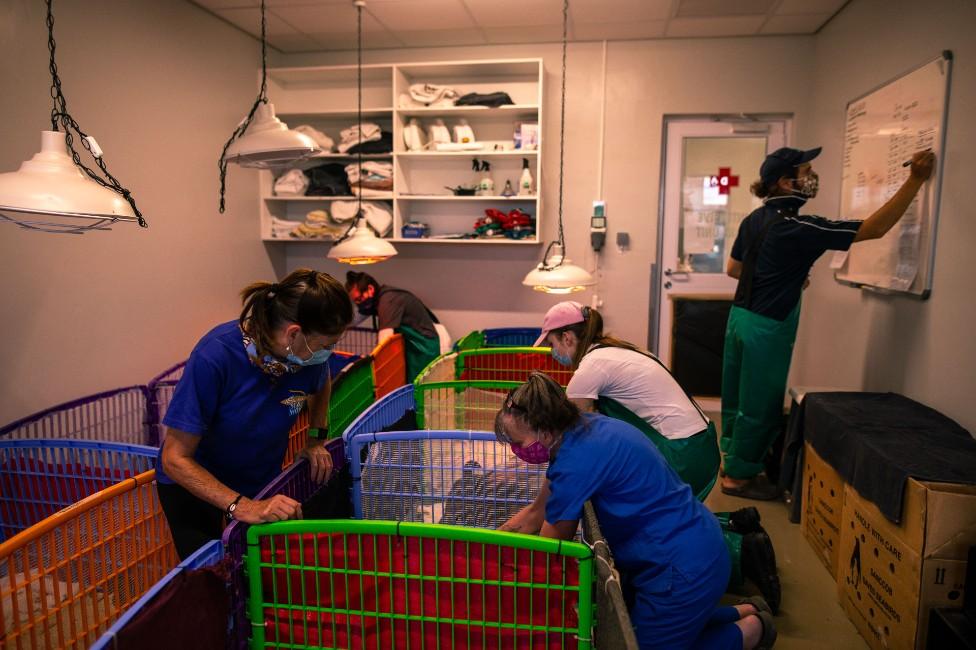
<point>823,505</point>
<point>891,575</point>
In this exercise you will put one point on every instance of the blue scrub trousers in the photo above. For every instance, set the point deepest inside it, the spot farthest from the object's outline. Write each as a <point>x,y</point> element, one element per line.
<point>683,615</point>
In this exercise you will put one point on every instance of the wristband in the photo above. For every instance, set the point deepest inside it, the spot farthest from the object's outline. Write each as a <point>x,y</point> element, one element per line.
<point>318,432</point>
<point>232,507</point>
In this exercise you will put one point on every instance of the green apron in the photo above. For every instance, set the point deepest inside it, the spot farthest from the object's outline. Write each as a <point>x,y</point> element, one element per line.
<point>694,459</point>
<point>756,362</point>
<point>419,349</point>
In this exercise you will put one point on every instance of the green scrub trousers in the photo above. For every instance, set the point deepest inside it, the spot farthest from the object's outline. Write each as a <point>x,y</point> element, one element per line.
<point>757,357</point>
<point>695,459</point>
<point>419,349</point>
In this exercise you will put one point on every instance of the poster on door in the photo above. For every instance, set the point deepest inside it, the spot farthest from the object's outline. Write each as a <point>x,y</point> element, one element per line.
<point>703,211</point>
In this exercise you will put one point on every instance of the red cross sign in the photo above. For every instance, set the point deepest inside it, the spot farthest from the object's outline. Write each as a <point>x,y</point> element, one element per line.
<point>726,180</point>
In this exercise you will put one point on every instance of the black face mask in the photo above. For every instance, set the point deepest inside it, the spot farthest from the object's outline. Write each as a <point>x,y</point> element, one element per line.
<point>367,307</point>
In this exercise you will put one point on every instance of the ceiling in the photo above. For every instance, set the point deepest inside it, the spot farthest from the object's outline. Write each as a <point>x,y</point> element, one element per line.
<point>319,25</point>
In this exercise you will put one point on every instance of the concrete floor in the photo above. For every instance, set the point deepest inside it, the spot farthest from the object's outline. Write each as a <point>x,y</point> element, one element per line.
<point>810,616</point>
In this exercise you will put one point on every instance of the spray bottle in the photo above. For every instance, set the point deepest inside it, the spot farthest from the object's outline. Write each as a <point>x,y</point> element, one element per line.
<point>487,186</point>
<point>525,181</point>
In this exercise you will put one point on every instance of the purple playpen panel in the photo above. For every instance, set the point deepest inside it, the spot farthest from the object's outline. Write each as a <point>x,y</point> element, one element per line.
<point>295,482</point>
<point>112,416</point>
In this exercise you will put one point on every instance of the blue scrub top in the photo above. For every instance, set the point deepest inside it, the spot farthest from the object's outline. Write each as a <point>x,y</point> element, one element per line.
<point>241,414</point>
<point>653,523</point>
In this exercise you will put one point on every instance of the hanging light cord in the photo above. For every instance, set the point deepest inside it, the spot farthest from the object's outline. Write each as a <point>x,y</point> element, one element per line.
<point>561,241</point>
<point>262,98</point>
<point>59,114</point>
<point>359,116</point>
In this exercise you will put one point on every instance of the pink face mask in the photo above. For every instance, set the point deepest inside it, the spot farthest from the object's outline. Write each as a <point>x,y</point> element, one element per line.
<point>534,454</point>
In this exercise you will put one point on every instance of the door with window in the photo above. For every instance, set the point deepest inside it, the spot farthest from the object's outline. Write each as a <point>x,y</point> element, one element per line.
<point>709,166</point>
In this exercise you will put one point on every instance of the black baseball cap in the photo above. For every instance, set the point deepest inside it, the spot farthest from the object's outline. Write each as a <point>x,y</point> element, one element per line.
<point>781,162</point>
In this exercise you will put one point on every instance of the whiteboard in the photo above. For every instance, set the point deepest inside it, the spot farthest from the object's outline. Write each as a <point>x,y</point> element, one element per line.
<point>882,131</point>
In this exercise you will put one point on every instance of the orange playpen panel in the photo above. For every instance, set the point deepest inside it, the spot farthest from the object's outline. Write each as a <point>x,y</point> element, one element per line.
<point>389,365</point>
<point>65,580</point>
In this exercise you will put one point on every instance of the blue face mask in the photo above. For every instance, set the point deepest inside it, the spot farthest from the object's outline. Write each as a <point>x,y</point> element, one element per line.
<point>317,358</point>
<point>560,359</point>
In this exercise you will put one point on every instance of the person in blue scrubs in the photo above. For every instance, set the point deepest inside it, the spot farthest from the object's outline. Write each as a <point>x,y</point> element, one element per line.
<point>668,546</point>
<point>241,391</point>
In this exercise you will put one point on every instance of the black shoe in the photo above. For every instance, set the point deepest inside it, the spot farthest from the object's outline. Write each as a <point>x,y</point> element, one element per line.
<point>757,488</point>
<point>745,520</point>
<point>759,566</point>
<point>768,639</point>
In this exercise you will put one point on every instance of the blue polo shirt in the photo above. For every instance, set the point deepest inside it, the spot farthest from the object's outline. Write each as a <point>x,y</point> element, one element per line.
<point>791,247</point>
<point>652,521</point>
<point>241,414</point>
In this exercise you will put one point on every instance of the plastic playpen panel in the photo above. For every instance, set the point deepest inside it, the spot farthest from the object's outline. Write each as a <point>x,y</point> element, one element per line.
<point>352,392</point>
<point>40,477</point>
<point>358,340</point>
<point>352,584</point>
<point>389,365</point>
<point>511,336</point>
<point>64,581</point>
<point>295,482</point>
<point>113,416</point>
<point>509,364</point>
<point>468,405</point>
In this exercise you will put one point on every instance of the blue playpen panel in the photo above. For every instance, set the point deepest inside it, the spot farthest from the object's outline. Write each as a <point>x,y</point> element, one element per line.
<point>464,478</point>
<point>511,336</point>
<point>207,555</point>
<point>40,477</point>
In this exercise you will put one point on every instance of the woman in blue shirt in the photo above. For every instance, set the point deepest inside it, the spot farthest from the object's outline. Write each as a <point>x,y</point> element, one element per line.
<point>242,389</point>
<point>667,545</point>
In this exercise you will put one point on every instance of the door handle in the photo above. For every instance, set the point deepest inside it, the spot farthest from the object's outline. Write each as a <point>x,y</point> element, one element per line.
<point>667,285</point>
<point>677,275</point>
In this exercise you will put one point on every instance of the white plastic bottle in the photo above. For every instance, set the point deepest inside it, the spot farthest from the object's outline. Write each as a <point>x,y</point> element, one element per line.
<point>487,186</point>
<point>525,180</point>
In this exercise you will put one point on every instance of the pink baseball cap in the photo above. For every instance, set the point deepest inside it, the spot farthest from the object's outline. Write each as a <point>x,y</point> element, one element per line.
<point>560,315</point>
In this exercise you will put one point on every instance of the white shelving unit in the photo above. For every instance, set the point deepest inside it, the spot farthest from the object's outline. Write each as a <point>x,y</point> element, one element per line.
<point>325,98</point>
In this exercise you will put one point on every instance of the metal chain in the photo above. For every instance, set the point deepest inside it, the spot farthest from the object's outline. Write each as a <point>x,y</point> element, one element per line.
<point>59,114</point>
<point>561,241</point>
<point>359,116</point>
<point>262,98</point>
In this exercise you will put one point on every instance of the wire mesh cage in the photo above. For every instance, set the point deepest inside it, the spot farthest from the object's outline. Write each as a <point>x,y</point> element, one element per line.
<point>40,477</point>
<point>358,340</point>
<point>210,554</point>
<point>389,365</point>
<point>351,584</point>
<point>442,368</point>
<point>112,416</point>
<point>159,394</point>
<point>66,579</point>
<point>463,478</point>
<point>295,482</point>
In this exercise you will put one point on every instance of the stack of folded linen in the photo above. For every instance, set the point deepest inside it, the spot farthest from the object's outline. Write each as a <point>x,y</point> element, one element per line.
<point>324,141</point>
<point>373,179</point>
<point>425,95</point>
<point>358,134</point>
<point>282,228</point>
<point>378,215</point>
<point>318,225</point>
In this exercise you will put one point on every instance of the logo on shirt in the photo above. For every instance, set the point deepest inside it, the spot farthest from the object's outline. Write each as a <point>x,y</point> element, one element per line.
<point>295,402</point>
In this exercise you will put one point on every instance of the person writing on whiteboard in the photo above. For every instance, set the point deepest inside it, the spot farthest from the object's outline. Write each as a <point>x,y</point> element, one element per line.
<point>771,257</point>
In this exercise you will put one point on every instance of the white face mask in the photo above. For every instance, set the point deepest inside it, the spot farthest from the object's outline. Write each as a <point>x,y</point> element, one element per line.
<point>317,358</point>
<point>806,187</point>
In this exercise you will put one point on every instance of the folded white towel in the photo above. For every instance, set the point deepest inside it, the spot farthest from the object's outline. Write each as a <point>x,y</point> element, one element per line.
<point>358,133</point>
<point>321,139</point>
<point>378,215</point>
<point>292,183</point>
<point>371,170</point>
<point>433,94</point>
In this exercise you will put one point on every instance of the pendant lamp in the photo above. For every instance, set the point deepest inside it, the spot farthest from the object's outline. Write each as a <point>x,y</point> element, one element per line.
<point>261,140</point>
<point>555,273</point>
<point>359,244</point>
<point>53,191</point>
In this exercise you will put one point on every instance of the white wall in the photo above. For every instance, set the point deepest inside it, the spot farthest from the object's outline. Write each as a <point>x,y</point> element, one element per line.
<point>473,287</point>
<point>855,339</point>
<point>161,85</point>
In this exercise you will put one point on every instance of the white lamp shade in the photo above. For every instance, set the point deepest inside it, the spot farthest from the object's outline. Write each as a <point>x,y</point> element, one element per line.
<point>50,183</point>
<point>268,142</point>
<point>564,278</point>
<point>363,247</point>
